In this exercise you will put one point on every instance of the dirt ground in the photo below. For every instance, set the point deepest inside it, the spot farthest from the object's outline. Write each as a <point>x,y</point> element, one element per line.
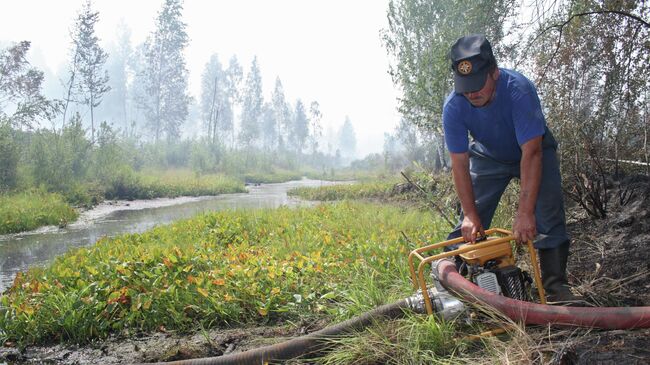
<point>158,347</point>
<point>609,265</point>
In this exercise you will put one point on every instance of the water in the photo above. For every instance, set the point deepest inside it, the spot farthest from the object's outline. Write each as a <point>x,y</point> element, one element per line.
<point>20,251</point>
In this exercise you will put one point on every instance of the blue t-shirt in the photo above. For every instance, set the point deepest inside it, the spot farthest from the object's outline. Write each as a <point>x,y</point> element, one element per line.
<point>511,119</point>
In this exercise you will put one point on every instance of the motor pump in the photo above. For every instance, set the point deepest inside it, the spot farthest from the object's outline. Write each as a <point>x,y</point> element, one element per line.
<point>488,263</point>
<point>494,269</point>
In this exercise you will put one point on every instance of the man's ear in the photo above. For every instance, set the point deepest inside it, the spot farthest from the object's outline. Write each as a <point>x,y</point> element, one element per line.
<point>495,74</point>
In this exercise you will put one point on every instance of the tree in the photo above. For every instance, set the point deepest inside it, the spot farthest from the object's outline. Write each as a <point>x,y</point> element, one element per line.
<point>9,156</point>
<point>251,106</point>
<point>21,103</point>
<point>115,106</point>
<point>89,60</point>
<point>165,101</point>
<point>234,76</point>
<point>282,113</point>
<point>269,127</point>
<point>316,130</point>
<point>347,139</point>
<point>21,106</point>
<point>300,130</point>
<point>215,103</point>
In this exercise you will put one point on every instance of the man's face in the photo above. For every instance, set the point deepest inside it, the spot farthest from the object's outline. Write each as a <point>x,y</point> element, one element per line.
<point>484,96</point>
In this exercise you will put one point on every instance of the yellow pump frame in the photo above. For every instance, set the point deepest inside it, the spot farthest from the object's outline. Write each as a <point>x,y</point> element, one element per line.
<point>506,236</point>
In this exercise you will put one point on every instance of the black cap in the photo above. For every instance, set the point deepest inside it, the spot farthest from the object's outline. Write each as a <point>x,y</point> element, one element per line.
<point>471,58</point>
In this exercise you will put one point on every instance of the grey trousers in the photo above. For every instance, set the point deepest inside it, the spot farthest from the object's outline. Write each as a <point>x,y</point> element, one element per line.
<point>491,177</point>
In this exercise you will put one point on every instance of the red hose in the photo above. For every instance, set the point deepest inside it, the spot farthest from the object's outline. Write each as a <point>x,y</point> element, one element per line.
<point>533,313</point>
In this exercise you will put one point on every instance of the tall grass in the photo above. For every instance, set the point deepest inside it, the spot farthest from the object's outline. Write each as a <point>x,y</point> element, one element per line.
<point>363,190</point>
<point>171,183</point>
<point>416,339</point>
<point>32,209</point>
<point>277,176</point>
<point>330,261</point>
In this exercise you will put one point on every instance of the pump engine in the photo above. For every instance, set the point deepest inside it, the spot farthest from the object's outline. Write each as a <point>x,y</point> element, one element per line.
<point>493,268</point>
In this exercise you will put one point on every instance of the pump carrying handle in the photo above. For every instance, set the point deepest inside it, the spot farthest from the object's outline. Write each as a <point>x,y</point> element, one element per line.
<point>418,279</point>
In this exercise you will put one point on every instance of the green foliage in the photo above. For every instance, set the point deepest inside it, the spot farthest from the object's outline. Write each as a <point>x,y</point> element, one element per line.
<point>32,209</point>
<point>60,160</point>
<point>9,156</point>
<point>217,268</point>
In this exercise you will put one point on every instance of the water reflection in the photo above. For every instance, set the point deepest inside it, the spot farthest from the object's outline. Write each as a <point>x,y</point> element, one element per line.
<point>18,252</point>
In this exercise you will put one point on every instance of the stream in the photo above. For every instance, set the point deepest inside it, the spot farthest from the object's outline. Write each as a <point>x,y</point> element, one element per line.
<point>20,251</point>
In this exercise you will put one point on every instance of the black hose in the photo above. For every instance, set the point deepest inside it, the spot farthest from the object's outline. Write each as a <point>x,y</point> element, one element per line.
<point>309,343</point>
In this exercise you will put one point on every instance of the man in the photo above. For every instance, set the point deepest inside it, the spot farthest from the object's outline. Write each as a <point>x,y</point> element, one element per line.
<point>500,109</point>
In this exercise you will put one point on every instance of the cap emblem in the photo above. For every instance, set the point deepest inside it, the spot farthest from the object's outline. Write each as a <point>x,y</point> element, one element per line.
<point>464,67</point>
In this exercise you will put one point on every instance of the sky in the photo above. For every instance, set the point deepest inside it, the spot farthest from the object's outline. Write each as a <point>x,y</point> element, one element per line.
<point>326,51</point>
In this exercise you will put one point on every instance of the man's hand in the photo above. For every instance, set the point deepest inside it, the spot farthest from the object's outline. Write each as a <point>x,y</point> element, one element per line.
<point>524,227</point>
<point>471,227</point>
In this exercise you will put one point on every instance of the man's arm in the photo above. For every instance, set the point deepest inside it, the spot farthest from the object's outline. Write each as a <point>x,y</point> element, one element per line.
<point>524,226</point>
<point>471,224</point>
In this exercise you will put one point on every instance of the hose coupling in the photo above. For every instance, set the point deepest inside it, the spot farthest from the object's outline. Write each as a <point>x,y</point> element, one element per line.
<point>444,305</point>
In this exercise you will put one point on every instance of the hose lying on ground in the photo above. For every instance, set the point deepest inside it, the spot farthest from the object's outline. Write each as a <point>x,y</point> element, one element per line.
<point>533,313</point>
<point>309,343</point>
<point>526,312</point>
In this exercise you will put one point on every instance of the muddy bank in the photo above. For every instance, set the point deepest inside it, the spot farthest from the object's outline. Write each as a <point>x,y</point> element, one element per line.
<point>159,347</point>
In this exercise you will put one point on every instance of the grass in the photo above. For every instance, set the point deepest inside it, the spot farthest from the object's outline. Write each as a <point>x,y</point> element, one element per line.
<point>32,209</point>
<point>362,190</point>
<point>345,174</point>
<point>418,339</point>
<point>171,183</point>
<point>330,261</point>
<point>415,339</point>
<point>274,177</point>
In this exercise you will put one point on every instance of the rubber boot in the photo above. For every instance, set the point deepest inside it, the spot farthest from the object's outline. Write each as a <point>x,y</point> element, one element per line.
<point>552,262</point>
